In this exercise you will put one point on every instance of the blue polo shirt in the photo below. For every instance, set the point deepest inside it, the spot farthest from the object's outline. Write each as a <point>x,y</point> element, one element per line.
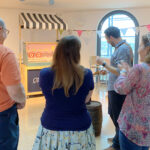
<point>63,113</point>
<point>122,52</point>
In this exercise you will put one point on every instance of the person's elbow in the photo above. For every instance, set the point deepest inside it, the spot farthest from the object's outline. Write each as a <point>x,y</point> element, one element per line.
<point>17,93</point>
<point>88,97</point>
<point>19,96</point>
<point>121,89</point>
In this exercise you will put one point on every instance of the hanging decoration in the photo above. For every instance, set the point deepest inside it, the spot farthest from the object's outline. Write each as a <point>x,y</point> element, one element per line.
<point>124,31</point>
<point>69,32</point>
<point>61,31</point>
<point>99,33</point>
<point>86,40</point>
<point>148,27</point>
<point>134,29</point>
<point>137,30</point>
<point>79,32</point>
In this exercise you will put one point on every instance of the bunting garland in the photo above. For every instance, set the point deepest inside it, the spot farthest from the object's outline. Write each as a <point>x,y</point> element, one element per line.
<point>99,32</point>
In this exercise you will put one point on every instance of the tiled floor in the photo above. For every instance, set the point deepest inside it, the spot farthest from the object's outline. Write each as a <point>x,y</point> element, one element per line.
<point>30,120</point>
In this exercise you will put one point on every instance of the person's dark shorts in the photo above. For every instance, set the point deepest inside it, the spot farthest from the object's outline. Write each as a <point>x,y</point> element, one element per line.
<point>9,129</point>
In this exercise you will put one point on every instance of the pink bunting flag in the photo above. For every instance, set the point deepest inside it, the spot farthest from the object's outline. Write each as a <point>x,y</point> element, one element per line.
<point>79,32</point>
<point>148,27</point>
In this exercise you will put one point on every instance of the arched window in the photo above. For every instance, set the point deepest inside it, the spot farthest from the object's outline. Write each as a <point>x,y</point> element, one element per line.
<point>126,22</point>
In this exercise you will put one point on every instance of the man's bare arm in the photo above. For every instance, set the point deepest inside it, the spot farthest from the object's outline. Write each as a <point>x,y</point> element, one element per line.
<point>16,92</point>
<point>110,68</point>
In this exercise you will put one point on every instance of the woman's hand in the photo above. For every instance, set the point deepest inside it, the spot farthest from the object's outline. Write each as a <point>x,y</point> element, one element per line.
<point>124,68</point>
<point>124,65</point>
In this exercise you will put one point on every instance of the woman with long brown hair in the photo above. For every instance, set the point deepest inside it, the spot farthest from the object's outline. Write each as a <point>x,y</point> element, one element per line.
<point>67,86</point>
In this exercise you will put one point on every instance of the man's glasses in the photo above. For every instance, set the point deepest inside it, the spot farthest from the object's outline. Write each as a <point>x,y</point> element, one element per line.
<point>6,30</point>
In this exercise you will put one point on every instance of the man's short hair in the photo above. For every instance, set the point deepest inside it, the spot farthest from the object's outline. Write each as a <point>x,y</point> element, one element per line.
<point>2,24</point>
<point>112,31</point>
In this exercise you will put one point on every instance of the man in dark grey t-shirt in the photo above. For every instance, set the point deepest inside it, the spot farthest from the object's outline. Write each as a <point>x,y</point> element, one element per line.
<point>123,52</point>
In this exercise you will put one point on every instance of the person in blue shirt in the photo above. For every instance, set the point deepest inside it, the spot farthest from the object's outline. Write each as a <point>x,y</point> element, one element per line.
<point>122,53</point>
<point>67,87</point>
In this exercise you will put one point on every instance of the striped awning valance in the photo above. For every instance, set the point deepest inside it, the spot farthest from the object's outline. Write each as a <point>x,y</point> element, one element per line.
<point>41,21</point>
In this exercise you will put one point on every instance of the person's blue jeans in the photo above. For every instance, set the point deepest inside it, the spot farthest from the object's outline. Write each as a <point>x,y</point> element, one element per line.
<point>9,129</point>
<point>126,144</point>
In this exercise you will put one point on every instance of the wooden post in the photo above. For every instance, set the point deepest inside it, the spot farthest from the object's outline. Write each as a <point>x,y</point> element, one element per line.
<point>57,35</point>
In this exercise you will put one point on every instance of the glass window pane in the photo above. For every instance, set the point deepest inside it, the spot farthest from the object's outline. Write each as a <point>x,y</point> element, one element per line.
<point>104,47</point>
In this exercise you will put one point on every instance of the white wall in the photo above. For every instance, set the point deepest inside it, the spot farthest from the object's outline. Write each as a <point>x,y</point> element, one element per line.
<point>84,20</point>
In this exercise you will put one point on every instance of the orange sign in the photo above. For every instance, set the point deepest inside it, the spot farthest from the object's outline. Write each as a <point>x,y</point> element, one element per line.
<point>40,52</point>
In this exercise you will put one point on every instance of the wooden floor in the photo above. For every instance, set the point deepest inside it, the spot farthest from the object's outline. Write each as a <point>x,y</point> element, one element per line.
<point>30,120</point>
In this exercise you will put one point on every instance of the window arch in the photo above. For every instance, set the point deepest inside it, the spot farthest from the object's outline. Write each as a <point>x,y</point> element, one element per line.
<point>123,13</point>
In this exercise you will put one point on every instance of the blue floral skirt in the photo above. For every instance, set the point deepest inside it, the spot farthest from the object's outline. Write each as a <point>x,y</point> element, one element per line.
<point>64,140</point>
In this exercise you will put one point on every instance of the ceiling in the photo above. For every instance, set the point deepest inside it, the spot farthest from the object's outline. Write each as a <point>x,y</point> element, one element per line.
<point>74,5</point>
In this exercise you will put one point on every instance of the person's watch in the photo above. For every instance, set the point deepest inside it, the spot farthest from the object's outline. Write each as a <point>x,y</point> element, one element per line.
<point>123,71</point>
<point>104,64</point>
